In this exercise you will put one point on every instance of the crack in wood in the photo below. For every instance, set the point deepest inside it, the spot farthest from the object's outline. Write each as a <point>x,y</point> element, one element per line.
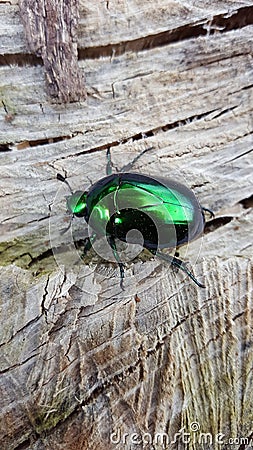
<point>10,368</point>
<point>239,18</point>
<point>241,154</point>
<point>247,202</point>
<point>20,59</point>
<point>245,88</point>
<point>44,310</point>
<point>216,223</point>
<point>38,142</point>
<point>5,148</point>
<point>238,315</point>
<point>99,388</point>
<point>41,257</point>
<point>136,137</point>
<point>27,325</point>
<point>224,111</point>
<point>23,445</point>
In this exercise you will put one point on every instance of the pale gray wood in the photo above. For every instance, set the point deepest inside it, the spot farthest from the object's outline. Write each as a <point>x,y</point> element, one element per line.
<point>113,22</point>
<point>126,21</point>
<point>80,359</point>
<point>170,100</point>
<point>112,87</point>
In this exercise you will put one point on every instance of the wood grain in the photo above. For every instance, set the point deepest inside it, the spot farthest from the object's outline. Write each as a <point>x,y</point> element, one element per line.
<point>50,29</point>
<point>108,23</point>
<point>81,359</point>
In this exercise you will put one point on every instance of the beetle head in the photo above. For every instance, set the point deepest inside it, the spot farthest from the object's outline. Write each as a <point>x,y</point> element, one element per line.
<point>76,203</point>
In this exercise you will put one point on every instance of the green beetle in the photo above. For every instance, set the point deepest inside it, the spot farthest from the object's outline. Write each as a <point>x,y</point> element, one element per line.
<point>166,213</point>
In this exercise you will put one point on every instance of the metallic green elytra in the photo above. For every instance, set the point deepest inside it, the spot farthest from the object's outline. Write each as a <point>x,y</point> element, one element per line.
<point>166,213</point>
<point>121,202</point>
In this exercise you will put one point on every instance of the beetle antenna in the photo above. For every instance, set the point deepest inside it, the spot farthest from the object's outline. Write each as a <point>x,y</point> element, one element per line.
<point>63,180</point>
<point>130,165</point>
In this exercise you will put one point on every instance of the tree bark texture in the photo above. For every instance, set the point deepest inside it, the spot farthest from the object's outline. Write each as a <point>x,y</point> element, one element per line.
<point>83,364</point>
<point>50,28</point>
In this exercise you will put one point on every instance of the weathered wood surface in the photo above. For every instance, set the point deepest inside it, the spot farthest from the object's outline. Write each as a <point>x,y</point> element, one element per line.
<point>51,33</point>
<point>80,359</point>
<point>104,25</point>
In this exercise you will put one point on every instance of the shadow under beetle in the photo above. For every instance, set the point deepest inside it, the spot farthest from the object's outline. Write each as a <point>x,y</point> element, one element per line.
<point>166,212</point>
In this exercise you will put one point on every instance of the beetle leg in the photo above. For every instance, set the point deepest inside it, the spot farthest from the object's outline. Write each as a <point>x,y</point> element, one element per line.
<point>130,165</point>
<point>180,264</point>
<point>88,241</point>
<point>209,211</point>
<point>64,180</point>
<point>112,243</point>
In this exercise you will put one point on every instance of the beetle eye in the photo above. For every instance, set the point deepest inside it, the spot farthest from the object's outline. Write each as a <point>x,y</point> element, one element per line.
<point>76,203</point>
